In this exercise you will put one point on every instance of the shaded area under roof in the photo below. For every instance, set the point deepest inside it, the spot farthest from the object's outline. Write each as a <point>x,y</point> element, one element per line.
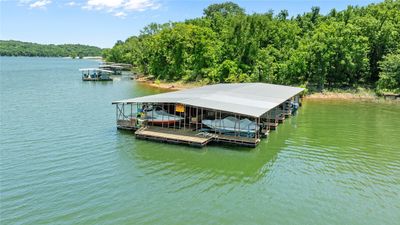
<point>251,99</point>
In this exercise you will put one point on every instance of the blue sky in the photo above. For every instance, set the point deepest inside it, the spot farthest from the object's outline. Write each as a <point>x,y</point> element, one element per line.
<point>103,22</point>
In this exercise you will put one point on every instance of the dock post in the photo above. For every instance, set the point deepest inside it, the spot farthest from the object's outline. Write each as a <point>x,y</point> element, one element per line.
<point>220,121</point>
<point>162,117</point>
<point>189,116</point>
<point>184,117</point>
<point>215,115</point>
<point>174,114</point>
<point>234,128</point>
<point>197,117</point>
<point>239,127</point>
<point>202,116</point>
<point>130,117</point>
<point>116,112</point>
<point>259,128</point>
<point>168,115</point>
<point>123,110</point>
<point>255,130</point>
<point>152,114</point>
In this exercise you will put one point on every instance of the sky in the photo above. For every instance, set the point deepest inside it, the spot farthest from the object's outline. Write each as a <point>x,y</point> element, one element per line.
<point>102,22</point>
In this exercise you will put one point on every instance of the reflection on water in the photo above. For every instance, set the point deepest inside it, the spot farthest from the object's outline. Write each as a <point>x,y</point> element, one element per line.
<point>237,164</point>
<point>64,161</point>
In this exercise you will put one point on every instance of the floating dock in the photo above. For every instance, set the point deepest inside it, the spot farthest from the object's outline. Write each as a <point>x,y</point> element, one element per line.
<point>239,114</point>
<point>172,136</point>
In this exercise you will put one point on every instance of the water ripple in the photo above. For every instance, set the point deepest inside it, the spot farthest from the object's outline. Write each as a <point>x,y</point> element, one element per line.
<point>63,161</point>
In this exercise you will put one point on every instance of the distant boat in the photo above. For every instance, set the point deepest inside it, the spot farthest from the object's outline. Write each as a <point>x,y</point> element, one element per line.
<point>95,74</point>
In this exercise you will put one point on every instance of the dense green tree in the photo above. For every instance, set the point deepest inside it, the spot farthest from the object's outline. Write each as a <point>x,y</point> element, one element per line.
<point>183,52</point>
<point>389,77</point>
<point>223,9</point>
<point>380,23</point>
<point>341,49</point>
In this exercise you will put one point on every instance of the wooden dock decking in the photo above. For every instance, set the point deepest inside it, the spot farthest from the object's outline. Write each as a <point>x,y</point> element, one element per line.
<point>272,125</point>
<point>244,141</point>
<point>127,124</point>
<point>194,138</point>
<point>173,136</point>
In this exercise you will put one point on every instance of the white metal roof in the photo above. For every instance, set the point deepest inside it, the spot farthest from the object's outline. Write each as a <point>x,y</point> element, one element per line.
<point>96,69</point>
<point>111,66</point>
<point>252,99</point>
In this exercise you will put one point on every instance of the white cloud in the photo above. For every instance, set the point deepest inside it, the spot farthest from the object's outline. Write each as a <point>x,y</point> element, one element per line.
<point>103,4</point>
<point>121,8</point>
<point>120,14</point>
<point>118,8</point>
<point>40,4</point>
<point>141,5</point>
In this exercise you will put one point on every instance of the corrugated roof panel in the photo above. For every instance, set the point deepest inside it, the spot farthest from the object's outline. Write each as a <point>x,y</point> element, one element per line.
<point>227,107</point>
<point>253,99</point>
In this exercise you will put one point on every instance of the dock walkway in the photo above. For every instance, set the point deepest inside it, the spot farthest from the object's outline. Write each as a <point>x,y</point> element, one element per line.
<point>172,136</point>
<point>187,136</point>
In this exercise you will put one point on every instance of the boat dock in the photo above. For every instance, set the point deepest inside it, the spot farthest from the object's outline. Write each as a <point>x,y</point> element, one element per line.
<point>239,114</point>
<point>118,66</point>
<point>95,74</point>
<point>115,69</point>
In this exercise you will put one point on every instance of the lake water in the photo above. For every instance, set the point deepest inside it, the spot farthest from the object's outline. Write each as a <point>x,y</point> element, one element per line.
<point>64,162</point>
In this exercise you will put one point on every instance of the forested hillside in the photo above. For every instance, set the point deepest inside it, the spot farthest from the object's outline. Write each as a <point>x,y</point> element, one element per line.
<point>19,48</point>
<point>358,46</point>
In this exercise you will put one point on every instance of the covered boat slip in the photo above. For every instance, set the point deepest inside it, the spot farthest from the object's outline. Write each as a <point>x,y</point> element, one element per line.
<point>116,70</point>
<point>231,113</point>
<point>95,74</point>
<point>123,66</point>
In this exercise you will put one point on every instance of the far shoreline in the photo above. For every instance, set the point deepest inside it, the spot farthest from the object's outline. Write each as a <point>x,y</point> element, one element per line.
<point>99,58</point>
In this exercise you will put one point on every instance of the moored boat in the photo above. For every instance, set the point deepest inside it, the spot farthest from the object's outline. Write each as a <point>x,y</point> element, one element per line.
<point>231,124</point>
<point>161,117</point>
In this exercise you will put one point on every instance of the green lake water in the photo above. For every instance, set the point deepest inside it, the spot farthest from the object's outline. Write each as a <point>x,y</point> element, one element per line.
<point>64,162</point>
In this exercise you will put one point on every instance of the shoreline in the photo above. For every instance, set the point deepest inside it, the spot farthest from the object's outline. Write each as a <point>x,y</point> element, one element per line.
<point>329,95</point>
<point>364,95</point>
<point>173,86</point>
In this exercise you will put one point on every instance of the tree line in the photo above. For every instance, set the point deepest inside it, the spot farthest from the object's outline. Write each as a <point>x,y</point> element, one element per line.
<point>358,46</point>
<point>19,48</point>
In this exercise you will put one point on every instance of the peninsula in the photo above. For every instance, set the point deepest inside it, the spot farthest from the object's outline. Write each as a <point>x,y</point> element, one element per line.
<point>19,48</point>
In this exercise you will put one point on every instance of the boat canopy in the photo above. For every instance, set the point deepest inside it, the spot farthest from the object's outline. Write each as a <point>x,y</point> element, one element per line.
<point>232,124</point>
<point>250,99</point>
<point>111,66</point>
